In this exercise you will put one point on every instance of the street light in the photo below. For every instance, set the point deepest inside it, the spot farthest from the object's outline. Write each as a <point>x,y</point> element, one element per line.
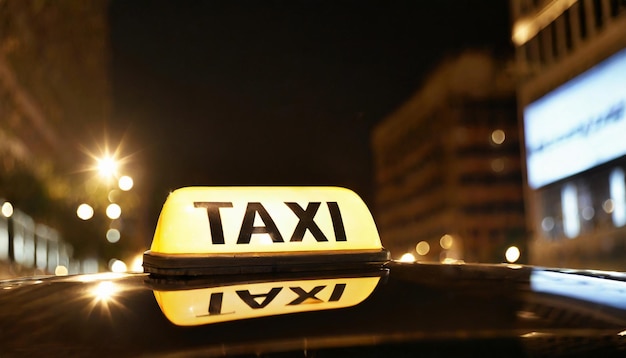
<point>107,167</point>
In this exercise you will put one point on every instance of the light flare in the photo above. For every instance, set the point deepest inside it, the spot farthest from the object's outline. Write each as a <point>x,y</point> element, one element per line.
<point>408,257</point>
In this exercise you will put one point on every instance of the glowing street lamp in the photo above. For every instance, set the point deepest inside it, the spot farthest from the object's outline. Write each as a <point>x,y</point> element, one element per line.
<point>107,167</point>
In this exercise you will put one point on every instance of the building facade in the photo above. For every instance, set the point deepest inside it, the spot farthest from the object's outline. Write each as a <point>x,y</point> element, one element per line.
<point>55,101</point>
<point>571,61</point>
<point>447,166</point>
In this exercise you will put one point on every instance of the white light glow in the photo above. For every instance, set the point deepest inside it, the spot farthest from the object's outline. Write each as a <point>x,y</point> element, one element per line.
<point>84,212</point>
<point>512,254</point>
<point>7,209</point>
<point>104,291</point>
<point>113,235</point>
<point>137,265</point>
<point>618,195</point>
<point>571,221</point>
<point>125,183</point>
<point>408,257</point>
<point>118,266</point>
<point>113,211</point>
<point>61,270</point>
<point>107,167</point>
<point>523,30</point>
<point>526,28</point>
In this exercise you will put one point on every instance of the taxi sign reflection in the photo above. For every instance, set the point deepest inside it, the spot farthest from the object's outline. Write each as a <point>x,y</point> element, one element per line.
<point>229,302</point>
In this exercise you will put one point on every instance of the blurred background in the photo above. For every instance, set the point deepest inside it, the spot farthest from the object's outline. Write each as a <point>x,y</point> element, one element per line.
<point>476,131</point>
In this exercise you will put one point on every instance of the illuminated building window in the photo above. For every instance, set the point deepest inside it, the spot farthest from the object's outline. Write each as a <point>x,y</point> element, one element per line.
<point>571,221</point>
<point>618,197</point>
<point>4,238</point>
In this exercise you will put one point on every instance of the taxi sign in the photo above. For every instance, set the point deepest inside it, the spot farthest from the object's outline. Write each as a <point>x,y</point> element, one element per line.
<point>215,303</point>
<point>215,230</point>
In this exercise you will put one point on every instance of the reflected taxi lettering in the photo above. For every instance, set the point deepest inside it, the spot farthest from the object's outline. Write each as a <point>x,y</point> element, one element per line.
<point>305,218</point>
<point>261,300</point>
<point>269,298</point>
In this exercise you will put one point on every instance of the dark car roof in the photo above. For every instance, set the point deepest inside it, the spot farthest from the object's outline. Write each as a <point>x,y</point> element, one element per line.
<point>415,309</point>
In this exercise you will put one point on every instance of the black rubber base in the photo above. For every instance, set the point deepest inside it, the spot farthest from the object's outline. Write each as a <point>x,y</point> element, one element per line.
<point>223,264</point>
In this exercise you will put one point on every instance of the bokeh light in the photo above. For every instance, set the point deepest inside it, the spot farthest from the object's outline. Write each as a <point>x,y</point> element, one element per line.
<point>104,291</point>
<point>61,270</point>
<point>117,266</point>
<point>126,183</point>
<point>512,254</point>
<point>113,211</point>
<point>446,241</point>
<point>498,136</point>
<point>84,212</point>
<point>113,236</point>
<point>408,257</point>
<point>7,209</point>
<point>422,248</point>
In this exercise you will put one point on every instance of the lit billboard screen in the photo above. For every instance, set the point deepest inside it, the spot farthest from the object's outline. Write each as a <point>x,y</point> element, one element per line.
<point>578,126</point>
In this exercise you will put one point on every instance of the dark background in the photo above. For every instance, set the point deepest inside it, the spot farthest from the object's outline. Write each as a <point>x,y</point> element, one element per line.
<point>227,92</point>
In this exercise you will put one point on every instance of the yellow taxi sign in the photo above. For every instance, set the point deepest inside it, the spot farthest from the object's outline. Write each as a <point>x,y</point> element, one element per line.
<point>221,229</point>
<point>201,306</point>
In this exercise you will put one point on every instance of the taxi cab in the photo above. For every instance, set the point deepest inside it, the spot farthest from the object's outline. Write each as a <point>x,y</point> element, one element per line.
<point>281,272</point>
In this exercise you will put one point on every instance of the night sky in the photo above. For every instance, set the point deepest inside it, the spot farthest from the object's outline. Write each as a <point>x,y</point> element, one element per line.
<point>227,92</point>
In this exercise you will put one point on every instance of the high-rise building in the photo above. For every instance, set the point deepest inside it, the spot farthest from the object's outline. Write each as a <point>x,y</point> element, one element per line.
<point>447,166</point>
<point>571,62</point>
<point>55,102</point>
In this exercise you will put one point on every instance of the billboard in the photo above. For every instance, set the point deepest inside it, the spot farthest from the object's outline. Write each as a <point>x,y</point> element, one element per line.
<point>579,125</point>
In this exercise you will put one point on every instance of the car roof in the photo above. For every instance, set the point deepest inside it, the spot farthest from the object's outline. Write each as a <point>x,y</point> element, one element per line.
<point>442,309</point>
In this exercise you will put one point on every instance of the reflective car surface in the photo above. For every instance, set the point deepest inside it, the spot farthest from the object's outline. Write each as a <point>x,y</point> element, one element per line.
<point>399,309</point>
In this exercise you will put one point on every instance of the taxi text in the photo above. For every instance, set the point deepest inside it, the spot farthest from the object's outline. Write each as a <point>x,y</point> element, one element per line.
<point>305,218</point>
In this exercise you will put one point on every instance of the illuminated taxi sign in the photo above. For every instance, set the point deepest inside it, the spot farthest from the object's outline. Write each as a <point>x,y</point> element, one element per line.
<point>251,300</point>
<point>205,230</point>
